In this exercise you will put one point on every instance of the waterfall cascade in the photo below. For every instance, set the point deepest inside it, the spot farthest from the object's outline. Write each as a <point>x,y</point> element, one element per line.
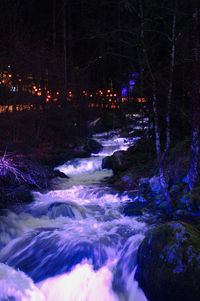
<point>73,243</point>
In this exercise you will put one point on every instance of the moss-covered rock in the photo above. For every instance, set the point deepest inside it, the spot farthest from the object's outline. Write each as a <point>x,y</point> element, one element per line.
<point>169,263</point>
<point>192,200</point>
<point>131,209</point>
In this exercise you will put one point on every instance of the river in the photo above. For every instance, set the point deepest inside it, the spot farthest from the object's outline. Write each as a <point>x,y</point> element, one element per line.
<point>73,243</point>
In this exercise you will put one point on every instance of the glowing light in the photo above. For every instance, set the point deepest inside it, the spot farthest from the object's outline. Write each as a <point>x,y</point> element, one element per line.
<point>141,99</point>
<point>111,95</point>
<point>91,95</point>
<point>10,75</point>
<point>47,99</point>
<point>55,99</point>
<point>19,79</point>
<point>57,93</point>
<point>115,94</point>
<point>39,93</point>
<point>108,91</point>
<point>110,99</point>
<point>124,92</point>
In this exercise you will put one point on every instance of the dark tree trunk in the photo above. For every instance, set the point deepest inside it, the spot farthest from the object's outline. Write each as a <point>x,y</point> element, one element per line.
<point>65,47</point>
<point>54,24</point>
<point>161,155</point>
<point>193,175</point>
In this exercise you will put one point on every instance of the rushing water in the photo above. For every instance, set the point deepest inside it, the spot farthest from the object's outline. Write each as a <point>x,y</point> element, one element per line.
<point>73,243</point>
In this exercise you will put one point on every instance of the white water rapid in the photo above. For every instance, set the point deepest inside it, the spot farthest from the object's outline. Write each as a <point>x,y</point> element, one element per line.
<point>73,243</point>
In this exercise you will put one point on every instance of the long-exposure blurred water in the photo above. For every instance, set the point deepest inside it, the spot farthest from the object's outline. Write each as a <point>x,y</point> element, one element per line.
<point>73,243</point>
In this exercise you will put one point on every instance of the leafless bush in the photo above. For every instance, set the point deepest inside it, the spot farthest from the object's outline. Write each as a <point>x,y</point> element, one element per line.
<point>16,170</point>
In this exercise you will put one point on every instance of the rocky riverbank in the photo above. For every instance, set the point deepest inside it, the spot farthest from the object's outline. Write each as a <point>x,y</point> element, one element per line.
<point>23,169</point>
<point>136,170</point>
<point>168,258</point>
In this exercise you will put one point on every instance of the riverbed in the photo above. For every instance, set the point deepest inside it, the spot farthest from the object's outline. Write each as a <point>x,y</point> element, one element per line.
<point>73,243</point>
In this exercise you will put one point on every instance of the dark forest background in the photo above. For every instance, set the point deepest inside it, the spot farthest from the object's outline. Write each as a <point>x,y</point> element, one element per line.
<point>83,44</point>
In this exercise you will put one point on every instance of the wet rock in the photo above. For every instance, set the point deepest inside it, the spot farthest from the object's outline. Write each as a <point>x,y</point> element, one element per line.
<point>119,161</point>
<point>60,174</point>
<point>107,163</point>
<point>92,146</point>
<point>169,263</point>
<point>131,209</point>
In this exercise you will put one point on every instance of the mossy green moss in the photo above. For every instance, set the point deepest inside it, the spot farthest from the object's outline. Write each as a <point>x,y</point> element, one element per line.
<point>169,263</point>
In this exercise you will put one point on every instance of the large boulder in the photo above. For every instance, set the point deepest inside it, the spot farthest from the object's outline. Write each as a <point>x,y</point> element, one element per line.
<point>58,173</point>
<point>93,146</point>
<point>169,263</point>
<point>107,162</point>
<point>117,162</point>
<point>131,209</point>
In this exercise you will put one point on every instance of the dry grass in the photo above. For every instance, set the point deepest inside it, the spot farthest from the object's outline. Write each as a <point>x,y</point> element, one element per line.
<point>16,170</point>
